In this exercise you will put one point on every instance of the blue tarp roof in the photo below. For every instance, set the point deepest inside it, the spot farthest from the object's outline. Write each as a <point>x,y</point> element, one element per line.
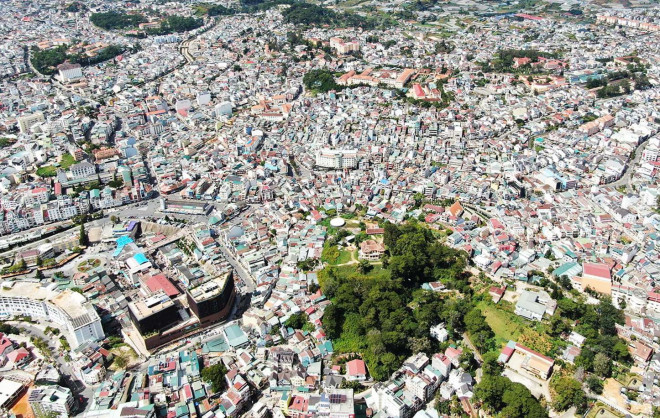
<point>121,243</point>
<point>141,258</point>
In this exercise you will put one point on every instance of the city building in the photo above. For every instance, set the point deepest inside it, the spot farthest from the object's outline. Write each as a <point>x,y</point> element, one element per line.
<point>51,401</point>
<point>65,308</point>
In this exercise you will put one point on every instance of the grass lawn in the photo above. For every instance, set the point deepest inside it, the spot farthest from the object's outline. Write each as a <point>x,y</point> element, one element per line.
<point>46,171</point>
<point>50,171</point>
<point>67,161</point>
<point>506,326</point>
<point>345,256</point>
<point>352,223</point>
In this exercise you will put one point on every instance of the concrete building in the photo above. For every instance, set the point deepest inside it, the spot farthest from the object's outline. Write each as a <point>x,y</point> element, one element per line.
<point>597,276</point>
<point>69,72</point>
<point>336,159</point>
<point>66,308</point>
<point>529,305</point>
<point>27,121</point>
<point>51,401</point>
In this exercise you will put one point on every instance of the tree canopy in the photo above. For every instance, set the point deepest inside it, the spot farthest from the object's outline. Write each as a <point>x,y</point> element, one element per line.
<point>116,20</point>
<point>320,80</point>
<point>507,399</point>
<point>216,376</point>
<point>387,319</point>
<point>302,13</point>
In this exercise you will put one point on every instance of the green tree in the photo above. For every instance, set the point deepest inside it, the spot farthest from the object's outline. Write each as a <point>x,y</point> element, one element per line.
<point>567,393</point>
<point>480,332</point>
<point>320,80</point>
<point>602,365</point>
<point>297,320</point>
<point>364,266</point>
<point>120,361</point>
<point>83,239</point>
<point>508,399</point>
<point>490,364</point>
<point>216,376</point>
<point>22,265</point>
<point>595,384</point>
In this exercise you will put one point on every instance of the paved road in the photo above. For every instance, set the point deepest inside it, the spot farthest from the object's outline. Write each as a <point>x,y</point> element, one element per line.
<point>466,338</point>
<point>614,405</point>
<point>628,175</point>
<point>247,278</point>
<point>83,393</point>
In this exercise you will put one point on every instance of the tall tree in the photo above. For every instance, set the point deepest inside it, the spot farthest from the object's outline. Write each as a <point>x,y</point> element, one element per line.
<point>83,239</point>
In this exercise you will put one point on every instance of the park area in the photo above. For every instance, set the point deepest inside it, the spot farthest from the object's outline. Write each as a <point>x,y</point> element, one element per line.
<point>51,170</point>
<point>88,265</point>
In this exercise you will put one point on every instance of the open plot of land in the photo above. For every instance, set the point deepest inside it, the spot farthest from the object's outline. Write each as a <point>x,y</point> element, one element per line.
<point>612,392</point>
<point>127,353</point>
<point>22,408</point>
<point>537,387</point>
<point>506,325</point>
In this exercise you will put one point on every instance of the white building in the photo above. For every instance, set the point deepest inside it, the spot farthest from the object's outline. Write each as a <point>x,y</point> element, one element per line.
<point>27,121</point>
<point>384,400</point>
<point>70,72</point>
<point>53,400</point>
<point>82,170</point>
<point>68,309</point>
<point>533,305</point>
<point>336,159</point>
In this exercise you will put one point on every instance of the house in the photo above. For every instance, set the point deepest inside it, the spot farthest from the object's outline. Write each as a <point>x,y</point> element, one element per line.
<point>497,293</point>
<point>576,339</point>
<point>19,357</point>
<point>441,363</point>
<point>371,250</point>
<point>454,354</point>
<point>530,305</point>
<point>440,333</point>
<point>6,345</point>
<point>533,362</point>
<point>356,370</point>
<point>641,352</point>
<point>597,276</point>
<point>456,209</point>
<point>571,353</point>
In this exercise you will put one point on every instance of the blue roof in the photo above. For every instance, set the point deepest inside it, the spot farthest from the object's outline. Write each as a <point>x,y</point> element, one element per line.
<point>141,258</point>
<point>121,243</point>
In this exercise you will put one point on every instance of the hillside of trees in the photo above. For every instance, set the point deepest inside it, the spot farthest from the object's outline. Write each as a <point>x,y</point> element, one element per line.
<point>176,24</point>
<point>113,20</point>
<point>311,14</point>
<point>503,61</point>
<point>47,60</point>
<point>387,317</point>
<point>320,80</point>
<point>208,9</point>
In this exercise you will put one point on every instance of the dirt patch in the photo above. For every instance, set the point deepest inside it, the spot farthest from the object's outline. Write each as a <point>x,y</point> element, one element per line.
<point>612,391</point>
<point>22,408</point>
<point>124,352</point>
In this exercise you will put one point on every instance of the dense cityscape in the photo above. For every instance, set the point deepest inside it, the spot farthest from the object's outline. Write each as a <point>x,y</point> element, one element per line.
<point>350,208</point>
